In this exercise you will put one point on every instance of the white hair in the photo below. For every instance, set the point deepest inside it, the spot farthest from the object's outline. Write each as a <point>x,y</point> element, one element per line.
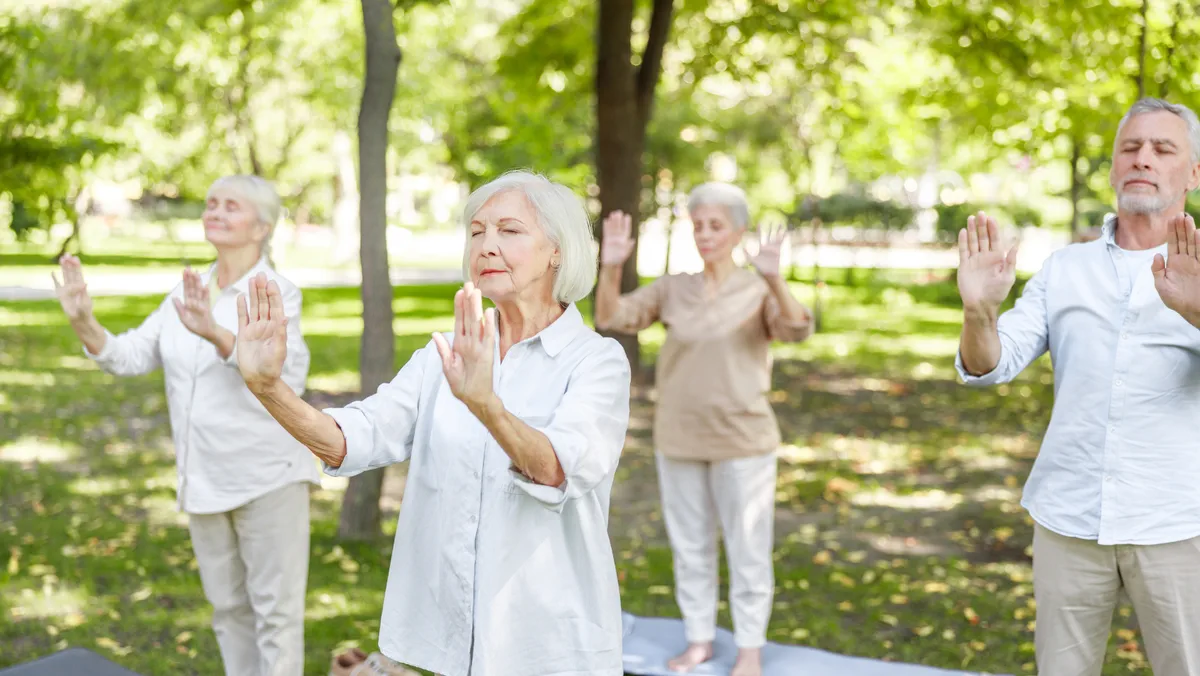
<point>1152,105</point>
<point>725,195</point>
<point>561,216</point>
<point>261,195</point>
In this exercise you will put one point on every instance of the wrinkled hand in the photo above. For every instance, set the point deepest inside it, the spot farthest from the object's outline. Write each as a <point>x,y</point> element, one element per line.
<point>768,250</point>
<point>194,310</point>
<point>986,273</point>
<point>72,290</point>
<point>617,243</point>
<point>1177,277</point>
<point>468,362</point>
<point>262,334</point>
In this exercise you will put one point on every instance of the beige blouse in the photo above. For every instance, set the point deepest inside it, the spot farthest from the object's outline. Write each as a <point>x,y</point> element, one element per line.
<point>714,371</point>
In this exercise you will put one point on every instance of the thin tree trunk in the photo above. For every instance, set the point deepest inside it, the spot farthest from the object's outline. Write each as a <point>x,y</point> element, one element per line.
<point>360,518</point>
<point>624,97</point>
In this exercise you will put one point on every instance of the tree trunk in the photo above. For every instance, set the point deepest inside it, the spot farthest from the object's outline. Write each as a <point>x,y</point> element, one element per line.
<point>624,95</point>
<point>360,518</point>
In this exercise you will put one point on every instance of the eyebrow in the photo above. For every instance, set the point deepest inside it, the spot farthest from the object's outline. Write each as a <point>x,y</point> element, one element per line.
<point>506,219</point>
<point>1155,141</point>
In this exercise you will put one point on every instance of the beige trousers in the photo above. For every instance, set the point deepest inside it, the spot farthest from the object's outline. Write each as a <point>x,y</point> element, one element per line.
<point>254,569</point>
<point>739,496</point>
<point>1076,584</point>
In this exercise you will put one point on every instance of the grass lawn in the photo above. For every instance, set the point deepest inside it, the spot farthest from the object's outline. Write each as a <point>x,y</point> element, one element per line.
<point>899,534</point>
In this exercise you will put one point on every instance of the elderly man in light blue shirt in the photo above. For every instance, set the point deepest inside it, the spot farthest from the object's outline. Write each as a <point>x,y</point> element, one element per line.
<point>1115,490</point>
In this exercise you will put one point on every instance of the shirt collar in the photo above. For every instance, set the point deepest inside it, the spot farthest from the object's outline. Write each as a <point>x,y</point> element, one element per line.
<point>562,331</point>
<point>1108,229</point>
<point>242,285</point>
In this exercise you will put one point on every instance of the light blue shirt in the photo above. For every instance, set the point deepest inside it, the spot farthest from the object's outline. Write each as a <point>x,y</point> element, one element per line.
<point>1120,461</point>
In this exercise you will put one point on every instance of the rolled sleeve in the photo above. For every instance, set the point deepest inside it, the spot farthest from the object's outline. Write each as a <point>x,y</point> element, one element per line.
<point>587,430</point>
<point>380,429</point>
<point>133,352</point>
<point>779,327</point>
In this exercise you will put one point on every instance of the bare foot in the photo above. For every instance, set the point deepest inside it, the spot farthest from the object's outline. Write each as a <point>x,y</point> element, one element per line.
<point>695,654</point>
<point>749,662</point>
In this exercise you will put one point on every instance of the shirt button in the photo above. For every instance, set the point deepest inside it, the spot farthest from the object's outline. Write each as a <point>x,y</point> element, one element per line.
<point>1108,478</point>
<point>1119,383</point>
<point>1124,336</point>
<point>1112,428</point>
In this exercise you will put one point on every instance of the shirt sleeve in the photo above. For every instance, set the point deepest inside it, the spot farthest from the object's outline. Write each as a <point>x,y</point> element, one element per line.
<point>134,352</point>
<point>1024,336</point>
<point>639,308</point>
<point>298,360</point>
<point>779,327</point>
<point>587,430</point>
<point>379,430</point>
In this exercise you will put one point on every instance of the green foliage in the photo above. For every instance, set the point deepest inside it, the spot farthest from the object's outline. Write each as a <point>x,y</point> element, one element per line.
<point>857,209</point>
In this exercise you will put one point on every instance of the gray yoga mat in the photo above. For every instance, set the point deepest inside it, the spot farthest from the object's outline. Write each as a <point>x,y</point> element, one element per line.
<point>651,641</point>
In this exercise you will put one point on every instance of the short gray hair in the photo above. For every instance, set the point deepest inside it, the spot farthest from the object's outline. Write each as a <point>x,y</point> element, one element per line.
<point>725,195</point>
<point>561,216</point>
<point>258,191</point>
<point>1153,105</point>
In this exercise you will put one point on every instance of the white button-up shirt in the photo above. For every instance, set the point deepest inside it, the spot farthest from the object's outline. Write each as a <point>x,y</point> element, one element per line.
<point>491,574</point>
<point>216,423</point>
<point>1120,461</point>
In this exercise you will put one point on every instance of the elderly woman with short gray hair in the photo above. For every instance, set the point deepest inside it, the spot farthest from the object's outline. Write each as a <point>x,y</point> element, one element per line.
<point>714,429</point>
<point>513,424</point>
<point>242,480</point>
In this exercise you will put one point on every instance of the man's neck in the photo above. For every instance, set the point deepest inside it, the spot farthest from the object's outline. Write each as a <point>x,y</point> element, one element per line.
<point>1138,231</point>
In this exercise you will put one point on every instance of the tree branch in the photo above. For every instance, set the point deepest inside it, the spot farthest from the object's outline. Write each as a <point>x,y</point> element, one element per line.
<point>651,66</point>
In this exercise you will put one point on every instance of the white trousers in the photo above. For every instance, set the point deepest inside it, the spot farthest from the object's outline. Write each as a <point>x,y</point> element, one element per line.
<point>254,569</point>
<point>1076,584</point>
<point>739,496</point>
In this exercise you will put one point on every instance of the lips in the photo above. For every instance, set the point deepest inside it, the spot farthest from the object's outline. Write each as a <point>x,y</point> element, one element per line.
<point>485,273</point>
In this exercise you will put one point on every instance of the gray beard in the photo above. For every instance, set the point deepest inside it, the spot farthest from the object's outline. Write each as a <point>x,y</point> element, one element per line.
<point>1143,204</point>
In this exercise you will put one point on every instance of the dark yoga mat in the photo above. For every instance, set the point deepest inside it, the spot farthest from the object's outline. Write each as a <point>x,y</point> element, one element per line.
<point>70,662</point>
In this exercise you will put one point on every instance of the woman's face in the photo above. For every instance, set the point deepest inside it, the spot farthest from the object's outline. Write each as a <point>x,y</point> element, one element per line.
<point>231,221</point>
<point>714,232</point>
<point>510,256</point>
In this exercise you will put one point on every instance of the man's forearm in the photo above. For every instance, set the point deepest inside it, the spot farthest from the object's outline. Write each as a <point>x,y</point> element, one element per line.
<point>530,450</point>
<point>980,342</point>
<point>313,428</point>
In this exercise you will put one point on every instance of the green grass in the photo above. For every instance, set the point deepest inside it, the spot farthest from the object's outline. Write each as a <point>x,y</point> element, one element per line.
<point>899,532</point>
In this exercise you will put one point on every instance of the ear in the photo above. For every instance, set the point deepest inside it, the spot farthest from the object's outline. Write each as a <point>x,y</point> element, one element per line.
<point>1194,179</point>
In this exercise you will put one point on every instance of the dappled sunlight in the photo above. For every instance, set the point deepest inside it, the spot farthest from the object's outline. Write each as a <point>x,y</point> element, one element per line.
<point>28,450</point>
<point>50,601</point>
<point>934,500</point>
<point>12,377</point>
<point>337,381</point>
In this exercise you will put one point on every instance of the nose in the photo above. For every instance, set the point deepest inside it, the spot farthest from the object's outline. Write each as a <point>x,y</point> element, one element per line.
<point>489,244</point>
<point>1144,157</point>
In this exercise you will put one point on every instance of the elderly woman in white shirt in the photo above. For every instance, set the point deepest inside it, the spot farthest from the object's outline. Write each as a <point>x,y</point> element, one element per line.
<point>514,424</point>
<point>249,527</point>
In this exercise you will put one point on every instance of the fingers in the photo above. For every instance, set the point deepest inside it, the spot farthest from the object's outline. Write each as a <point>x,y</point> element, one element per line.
<point>179,307</point>
<point>458,314</point>
<point>1159,266</point>
<point>963,251</point>
<point>275,301</point>
<point>243,313</point>
<point>1188,235</point>
<point>252,314</point>
<point>477,313</point>
<point>1010,261</point>
<point>489,326</point>
<point>973,235</point>
<point>444,350</point>
<point>993,236</point>
<point>626,226</point>
<point>1196,243</point>
<point>264,302</point>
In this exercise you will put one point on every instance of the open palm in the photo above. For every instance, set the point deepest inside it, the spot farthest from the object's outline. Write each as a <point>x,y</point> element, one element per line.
<point>262,333</point>
<point>986,272</point>
<point>72,290</point>
<point>467,364</point>
<point>1177,277</point>
<point>617,243</point>
<point>194,310</point>
<point>769,250</point>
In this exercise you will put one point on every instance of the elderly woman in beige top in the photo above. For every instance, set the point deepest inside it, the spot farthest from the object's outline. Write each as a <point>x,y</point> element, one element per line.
<point>714,429</point>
